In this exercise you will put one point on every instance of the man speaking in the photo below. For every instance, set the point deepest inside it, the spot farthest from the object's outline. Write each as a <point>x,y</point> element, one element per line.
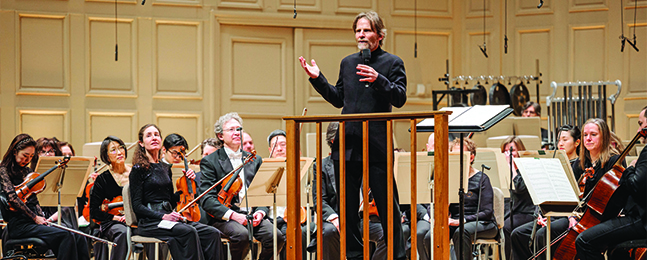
<point>370,81</point>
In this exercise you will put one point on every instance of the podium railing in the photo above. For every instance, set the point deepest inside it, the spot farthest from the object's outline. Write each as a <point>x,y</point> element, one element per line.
<point>441,182</point>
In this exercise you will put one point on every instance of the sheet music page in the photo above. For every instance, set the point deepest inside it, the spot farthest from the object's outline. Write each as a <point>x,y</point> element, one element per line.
<point>478,115</point>
<point>457,111</point>
<point>546,180</point>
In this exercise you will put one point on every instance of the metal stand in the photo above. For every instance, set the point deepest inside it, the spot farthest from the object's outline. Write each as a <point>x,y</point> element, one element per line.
<point>461,215</point>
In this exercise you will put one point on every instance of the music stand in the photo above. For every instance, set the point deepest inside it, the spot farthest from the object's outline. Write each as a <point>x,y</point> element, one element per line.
<point>63,185</point>
<point>259,194</point>
<point>565,197</point>
<point>464,120</point>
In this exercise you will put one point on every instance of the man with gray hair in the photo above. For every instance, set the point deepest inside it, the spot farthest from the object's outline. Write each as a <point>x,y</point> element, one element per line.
<point>370,81</point>
<point>231,219</point>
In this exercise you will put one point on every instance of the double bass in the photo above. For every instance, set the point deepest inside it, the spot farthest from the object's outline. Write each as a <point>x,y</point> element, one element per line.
<point>601,204</point>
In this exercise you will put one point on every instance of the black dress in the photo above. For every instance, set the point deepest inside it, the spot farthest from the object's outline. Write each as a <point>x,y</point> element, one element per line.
<point>151,197</point>
<point>21,223</point>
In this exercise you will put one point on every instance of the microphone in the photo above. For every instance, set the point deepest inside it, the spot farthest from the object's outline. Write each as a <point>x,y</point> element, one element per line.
<point>239,128</point>
<point>483,50</point>
<point>622,47</point>
<point>366,54</point>
<point>541,3</point>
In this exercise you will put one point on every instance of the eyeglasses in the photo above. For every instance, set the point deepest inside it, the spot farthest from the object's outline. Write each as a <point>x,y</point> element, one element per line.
<point>233,129</point>
<point>121,148</point>
<point>175,154</point>
<point>46,152</point>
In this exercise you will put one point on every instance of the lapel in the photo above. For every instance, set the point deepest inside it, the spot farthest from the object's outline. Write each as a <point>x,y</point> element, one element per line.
<point>225,164</point>
<point>330,173</point>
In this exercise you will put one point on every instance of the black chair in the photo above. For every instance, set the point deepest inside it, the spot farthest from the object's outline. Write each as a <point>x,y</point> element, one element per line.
<point>21,248</point>
<point>633,244</point>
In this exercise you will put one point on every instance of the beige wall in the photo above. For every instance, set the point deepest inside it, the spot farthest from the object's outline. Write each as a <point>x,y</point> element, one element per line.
<point>183,63</point>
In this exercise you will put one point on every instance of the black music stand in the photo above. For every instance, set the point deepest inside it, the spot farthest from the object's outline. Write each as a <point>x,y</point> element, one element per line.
<point>463,120</point>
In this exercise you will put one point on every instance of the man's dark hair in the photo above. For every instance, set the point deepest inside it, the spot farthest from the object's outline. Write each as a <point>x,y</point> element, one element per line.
<point>331,131</point>
<point>175,140</point>
<point>536,106</point>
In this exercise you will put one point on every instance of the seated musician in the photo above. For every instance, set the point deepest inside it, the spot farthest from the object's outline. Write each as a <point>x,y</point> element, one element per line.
<point>106,188</point>
<point>569,141</point>
<point>153,201</point>
<point>66,149</point>
<point>532,109</point>
<point>478,207</point>
<point>593,242</point>
<point>27,219</point>
<point>522,210</point>
<point>248,142</point>
<point>232,220</point>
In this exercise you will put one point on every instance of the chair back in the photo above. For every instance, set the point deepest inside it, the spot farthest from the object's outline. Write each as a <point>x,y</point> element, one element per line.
<point>499,207</point>
<point>131,219</point>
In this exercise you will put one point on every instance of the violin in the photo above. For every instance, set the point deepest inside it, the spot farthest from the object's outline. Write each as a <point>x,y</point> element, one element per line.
<point>86,208</point>
<point>602,203</point>
<point>35,183</point>
<point>304,216</point>
<point>189,189</point>
<point>113,207</point>
<point>247,160</point>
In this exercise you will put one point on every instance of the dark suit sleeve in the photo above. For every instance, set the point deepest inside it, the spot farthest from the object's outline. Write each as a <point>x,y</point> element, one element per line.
<point>637,177</point>
<point>333,94</point>
<point>394,85</point>
<point>209,201</point>
<point>326,209</point>
<point>519,185</point>
<point>421,211</point>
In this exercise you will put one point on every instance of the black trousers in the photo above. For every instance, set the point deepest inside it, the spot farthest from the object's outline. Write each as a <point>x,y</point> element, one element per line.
<point>239,238</point>
<point>593,242</point>
<point>192,240</point>
<point>519,219</point>
<point>376,235</point>
<point>424,240</point>
<point>281,225</point>
<point>66,245</point>
<point>521,248</point>
<point>472,231</point>
<point>378,184</point>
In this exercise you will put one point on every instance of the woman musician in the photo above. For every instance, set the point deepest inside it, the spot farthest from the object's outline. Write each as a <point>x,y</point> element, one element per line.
<point>28,221</point>
<point>153,201</point>
<point>593,242</point>
<point>108,187</point>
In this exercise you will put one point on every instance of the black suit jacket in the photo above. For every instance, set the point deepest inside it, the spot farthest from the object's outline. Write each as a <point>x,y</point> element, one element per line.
<point>350,94</point>
<point>329,197</point>
<point>215,167</point>
<point>636,185</point>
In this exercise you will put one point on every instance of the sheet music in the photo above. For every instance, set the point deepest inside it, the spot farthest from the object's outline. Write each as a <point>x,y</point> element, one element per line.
<point>468,116</point>
<point>546,180</point>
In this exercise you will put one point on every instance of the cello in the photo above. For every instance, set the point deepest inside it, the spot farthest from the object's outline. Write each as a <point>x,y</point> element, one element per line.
<point>601,204</point>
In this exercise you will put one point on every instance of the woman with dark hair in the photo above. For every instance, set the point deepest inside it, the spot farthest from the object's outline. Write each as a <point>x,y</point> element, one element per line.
<point>153,201</point>
<point>522,209</point>
<point>108,186</point>
<point>569,141</point>
<point>27,220</point>
<point>66,149</point>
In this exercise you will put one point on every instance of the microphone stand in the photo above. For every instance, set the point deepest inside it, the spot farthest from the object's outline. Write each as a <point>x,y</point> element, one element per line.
<point>250,215</point>
<point>511,198</point>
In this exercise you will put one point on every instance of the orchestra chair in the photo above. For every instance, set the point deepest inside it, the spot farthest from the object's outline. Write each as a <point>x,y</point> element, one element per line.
<point>633,244</point>
<point>20,248</point>
<point>131,222</point>
<point>499,240</point>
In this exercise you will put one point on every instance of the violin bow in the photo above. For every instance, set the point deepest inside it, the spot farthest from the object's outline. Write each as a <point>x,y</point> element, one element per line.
<point>248,159</point>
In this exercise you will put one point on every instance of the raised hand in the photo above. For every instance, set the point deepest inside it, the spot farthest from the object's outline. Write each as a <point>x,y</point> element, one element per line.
<point>312,70</point>
<point>189,174</point>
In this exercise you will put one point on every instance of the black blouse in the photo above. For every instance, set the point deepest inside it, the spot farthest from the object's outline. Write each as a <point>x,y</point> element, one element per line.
<point>599,169</point>
<point>25,211</point>
<point>479,184</point>
<point>150,188</point>
<point>105,187</point>
<point>521,200</point>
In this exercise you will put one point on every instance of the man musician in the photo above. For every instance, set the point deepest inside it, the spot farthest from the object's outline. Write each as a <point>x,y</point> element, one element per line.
<point>369,81</point>
<point>232,221</point>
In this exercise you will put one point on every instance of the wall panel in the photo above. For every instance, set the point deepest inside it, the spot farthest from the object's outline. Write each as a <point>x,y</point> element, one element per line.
<point>44,123</point>
<point>120,124</point>
<point>477,63</point>
<point>588,53</point>
<point>354,6</point>
<point>637,78</point>
<point>179,59</point>
<point>431,8</point>
<point>259,126</point>
<point>188,125</point>
<point>107,76</point>
<point>43,48</point>
<point>535,45</point>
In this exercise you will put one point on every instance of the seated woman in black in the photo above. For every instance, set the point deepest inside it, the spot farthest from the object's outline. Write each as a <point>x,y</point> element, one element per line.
<point>27,220</point>
<point>479,207</point>
<point>591,243</point>
<point>108,186</point>
<point>153,201</point>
